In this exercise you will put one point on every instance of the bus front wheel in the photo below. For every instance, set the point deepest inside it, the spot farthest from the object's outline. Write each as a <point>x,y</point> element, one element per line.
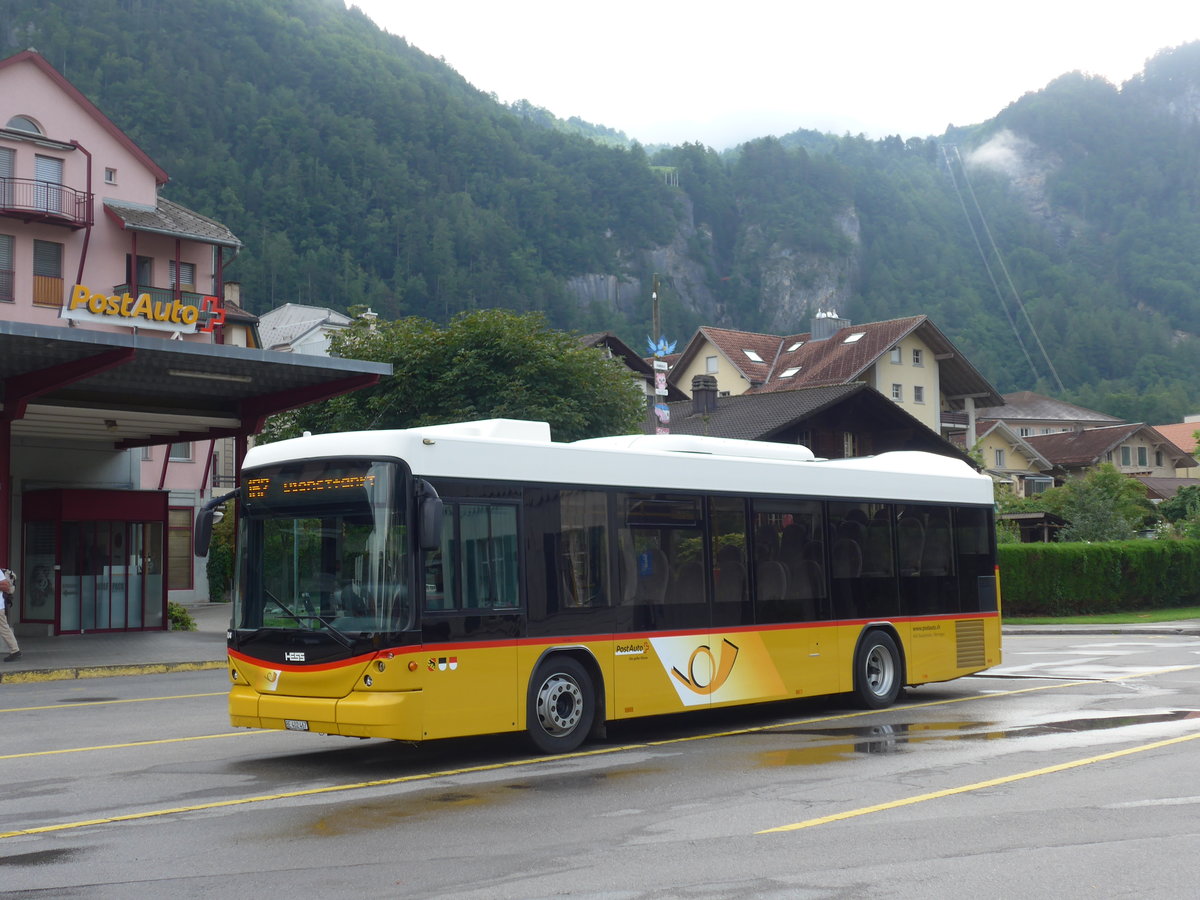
<point>878,674</point>
<point>562,705</point>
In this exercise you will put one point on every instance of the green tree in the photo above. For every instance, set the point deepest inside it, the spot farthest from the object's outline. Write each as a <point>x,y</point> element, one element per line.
<point>1103,505</point>
<point>484,364</point>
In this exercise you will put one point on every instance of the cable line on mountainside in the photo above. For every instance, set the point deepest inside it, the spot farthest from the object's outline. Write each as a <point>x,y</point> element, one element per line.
<point>1012,323</point>
<point>1004,269</point>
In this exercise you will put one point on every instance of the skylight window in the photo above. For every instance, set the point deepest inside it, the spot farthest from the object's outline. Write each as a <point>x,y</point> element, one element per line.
<point>857,336</point>
<point>795,346</point>
<point>752,356</point>
<point>788,373</point>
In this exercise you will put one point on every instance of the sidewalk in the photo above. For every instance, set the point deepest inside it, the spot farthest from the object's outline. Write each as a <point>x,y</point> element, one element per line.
<point>140,652</point>
<point>74,656</point>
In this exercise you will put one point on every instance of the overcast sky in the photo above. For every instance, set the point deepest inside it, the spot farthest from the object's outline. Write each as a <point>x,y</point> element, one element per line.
<point>667,71</point>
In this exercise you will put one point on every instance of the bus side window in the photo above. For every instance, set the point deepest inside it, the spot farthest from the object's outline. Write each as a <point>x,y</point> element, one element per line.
<point>439,566</point>
<point>488,544</point>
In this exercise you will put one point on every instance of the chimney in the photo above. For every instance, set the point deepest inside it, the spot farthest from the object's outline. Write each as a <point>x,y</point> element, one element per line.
<point>826,324</point>
<point>704,394</point>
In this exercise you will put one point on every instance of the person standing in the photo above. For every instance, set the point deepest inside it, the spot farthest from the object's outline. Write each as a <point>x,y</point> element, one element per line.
<point>8,584</point>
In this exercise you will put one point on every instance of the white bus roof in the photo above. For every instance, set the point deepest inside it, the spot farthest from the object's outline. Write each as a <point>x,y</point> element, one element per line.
<point>516,450</point>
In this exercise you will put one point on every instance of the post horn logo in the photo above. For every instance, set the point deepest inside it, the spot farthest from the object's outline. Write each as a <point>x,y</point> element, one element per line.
<point>721,670</point>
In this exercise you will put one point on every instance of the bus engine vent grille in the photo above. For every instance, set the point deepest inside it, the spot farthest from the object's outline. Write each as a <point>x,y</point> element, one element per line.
<point>969,635</point>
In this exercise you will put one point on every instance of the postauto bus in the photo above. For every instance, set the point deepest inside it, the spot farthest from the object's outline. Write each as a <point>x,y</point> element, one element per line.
<point>477,578</point>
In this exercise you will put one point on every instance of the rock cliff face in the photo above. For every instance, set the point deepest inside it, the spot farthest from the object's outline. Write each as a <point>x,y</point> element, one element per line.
<point>796,285</point>
<point>681,265</point>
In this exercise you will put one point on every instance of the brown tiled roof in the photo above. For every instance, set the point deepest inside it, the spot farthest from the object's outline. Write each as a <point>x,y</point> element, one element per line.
<point>1164,488</point>
<point>1181,434</point>
<point>833,360</point>
<point>1026,405</point>
<point>172,219</point>
<point>1074,449</point>
<point>734,345</point>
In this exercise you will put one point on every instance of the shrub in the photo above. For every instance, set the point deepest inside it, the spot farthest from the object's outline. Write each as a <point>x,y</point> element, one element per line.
<point>180,618</point>
<point>1085,579</point>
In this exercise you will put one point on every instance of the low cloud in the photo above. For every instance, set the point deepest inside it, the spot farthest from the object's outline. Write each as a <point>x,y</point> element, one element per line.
<point>1005,152</point>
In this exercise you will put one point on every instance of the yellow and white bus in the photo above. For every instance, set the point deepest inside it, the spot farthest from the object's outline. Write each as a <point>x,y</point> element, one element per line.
<point>478,578</point>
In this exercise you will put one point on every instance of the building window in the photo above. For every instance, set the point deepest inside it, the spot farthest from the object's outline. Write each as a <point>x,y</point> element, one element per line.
<point>895,355</point>
<point>710,365</point>
<point>1158,458</point>
<point>1108,457</point>
<point>918,394</point>
<point>181,451</point>
<point>1126,457</point>
<point>788,373</point>
<point>110,176</point>
<point>752,356</point>
<point>918,357</point>
<point>47,273</point>
<point>1024,432</point>
<point>1037,485</point>
<point>796,346</point>
<point>1047,431</point>
<point>849,444</point>
<point>24,123</point>
<point>187,272</point>
<point>8,158</point>
<point>179,549</point>
<point>1143,457</point>
<point>898,393</point>
<point>6,268</point>
<point>999,458</point>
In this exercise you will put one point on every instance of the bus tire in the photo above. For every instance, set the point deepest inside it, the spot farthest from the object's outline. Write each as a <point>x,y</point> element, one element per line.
<point>878,672</point>
<point>562,705</point>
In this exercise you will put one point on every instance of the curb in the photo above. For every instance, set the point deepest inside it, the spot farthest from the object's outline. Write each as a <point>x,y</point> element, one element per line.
<point>77,672</point>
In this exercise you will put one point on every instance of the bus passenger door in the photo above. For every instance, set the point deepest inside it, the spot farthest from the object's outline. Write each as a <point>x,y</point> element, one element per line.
<point>471,619</point>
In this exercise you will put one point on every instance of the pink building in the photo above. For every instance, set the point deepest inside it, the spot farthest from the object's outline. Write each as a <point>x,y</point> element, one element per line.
<point>125,372</point>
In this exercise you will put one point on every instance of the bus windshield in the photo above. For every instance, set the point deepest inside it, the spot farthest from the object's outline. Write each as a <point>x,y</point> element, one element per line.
<point>322,547</point>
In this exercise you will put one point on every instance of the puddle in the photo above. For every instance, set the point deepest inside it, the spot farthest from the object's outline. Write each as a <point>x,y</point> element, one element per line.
<point>372,815</point>
<point>884,739</point>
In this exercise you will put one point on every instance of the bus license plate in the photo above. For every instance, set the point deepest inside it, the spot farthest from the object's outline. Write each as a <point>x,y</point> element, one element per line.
<point>295,725</point>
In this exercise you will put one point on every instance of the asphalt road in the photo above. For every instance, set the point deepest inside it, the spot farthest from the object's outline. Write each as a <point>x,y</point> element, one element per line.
<point>1071,771</point>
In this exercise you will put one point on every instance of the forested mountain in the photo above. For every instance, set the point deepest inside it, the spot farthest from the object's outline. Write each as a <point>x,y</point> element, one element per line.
<point>1055,244</point>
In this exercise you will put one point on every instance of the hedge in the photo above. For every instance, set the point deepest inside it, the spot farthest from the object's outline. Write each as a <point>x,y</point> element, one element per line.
<point>1084,579</point>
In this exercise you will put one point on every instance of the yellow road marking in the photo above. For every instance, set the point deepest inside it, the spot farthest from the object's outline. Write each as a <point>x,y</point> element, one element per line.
<point>180,740</point>
<point>107,702</point>
<point>492,767</point>
<point>979,785</point>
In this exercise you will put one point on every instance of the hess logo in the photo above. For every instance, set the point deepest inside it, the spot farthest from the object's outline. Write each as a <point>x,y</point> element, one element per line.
<point>711,673</point>
<point>294,656</point>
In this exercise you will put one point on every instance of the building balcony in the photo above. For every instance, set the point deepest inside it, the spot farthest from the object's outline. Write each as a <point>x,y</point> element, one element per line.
<point>165,295</point>
<point>31,200</point>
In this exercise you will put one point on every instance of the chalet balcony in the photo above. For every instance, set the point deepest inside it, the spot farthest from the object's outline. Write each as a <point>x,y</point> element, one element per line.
<point>31,200</point>
<point>165,295</point>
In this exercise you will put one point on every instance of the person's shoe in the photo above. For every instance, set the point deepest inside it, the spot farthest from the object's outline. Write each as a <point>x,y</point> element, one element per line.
<point>12,657</point>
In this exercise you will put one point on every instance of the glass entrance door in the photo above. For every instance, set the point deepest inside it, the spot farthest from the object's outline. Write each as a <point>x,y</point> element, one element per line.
<point>111,576</point>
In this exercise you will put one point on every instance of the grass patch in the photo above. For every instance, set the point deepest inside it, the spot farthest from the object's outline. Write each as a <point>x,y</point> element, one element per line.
<point>1141,617</point>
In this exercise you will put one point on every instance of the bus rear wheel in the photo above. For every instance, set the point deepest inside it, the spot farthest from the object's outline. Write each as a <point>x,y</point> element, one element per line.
<point>562,705</point>
<point>877,671</point>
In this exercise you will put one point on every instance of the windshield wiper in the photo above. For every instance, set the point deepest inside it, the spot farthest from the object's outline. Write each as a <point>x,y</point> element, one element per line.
<point>337,635</point>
